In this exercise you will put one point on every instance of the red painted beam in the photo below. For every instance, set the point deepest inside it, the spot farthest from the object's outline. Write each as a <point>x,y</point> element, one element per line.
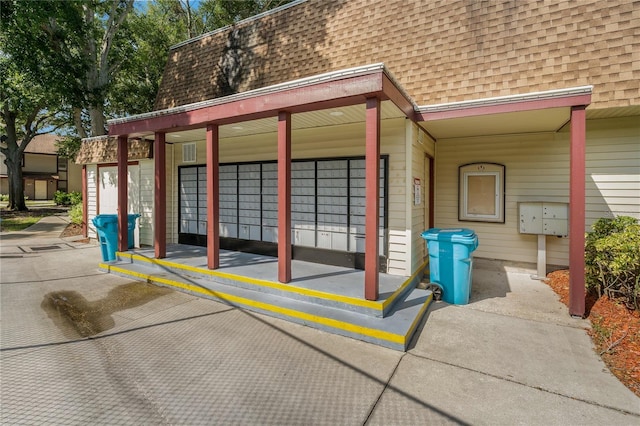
<point>348,91</point>
<point>213,197</point>
<point>160,197</point>
<point>527,105</point>
<point>372,200</point>
<point>284,197</point>
<point>577,202</point>
<point>85,203</point>
<point>123,193</point>
<point>395,95</point>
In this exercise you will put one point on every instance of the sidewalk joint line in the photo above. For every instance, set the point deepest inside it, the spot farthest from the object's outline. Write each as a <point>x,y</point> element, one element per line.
<point>384,389</point>
<point>539,388</point>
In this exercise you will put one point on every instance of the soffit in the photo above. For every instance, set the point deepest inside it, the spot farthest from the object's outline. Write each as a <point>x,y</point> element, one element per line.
<point>304,120</point>
<point>534,121</point>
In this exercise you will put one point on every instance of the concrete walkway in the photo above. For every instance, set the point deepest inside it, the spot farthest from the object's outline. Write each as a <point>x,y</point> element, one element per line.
<point>81,347</point>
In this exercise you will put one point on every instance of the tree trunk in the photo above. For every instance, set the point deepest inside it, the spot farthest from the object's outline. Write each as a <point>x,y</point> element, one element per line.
<point>16,183</point>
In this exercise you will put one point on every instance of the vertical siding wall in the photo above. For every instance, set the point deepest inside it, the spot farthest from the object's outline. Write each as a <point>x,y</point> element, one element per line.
<point>613,168</point>
<point>140,198</point>
<point>145,203</point>
<point>327,142</point>
<point>92,201</point>
<point>537,169</point>
<point>421,146</point>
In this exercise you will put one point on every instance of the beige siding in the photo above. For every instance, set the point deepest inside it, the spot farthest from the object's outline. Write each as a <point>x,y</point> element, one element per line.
<point>172,191</point>
<point>613,168</point>
<point>338,141</point>
<point>40,163</point>
<point>74,177</point>
<point>421,146</point>
<point>536,170</point>
<point>145,207</point>
<point>92,198</point>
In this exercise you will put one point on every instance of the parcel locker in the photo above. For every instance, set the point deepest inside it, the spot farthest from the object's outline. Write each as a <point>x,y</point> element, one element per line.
<point>249,202</point>
<point>228,201</point>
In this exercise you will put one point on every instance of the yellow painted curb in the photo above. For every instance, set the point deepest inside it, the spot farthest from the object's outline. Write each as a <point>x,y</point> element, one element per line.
<point>380,306</point>
<point>397,339</point>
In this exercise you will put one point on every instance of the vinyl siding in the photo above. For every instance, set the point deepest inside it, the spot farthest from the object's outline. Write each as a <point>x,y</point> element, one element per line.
<point>327,142</point>
<point>146,199</point>
<point>92,198</point>
<point>613,168</point>
<point>537,169</point>
<point>421,146</point>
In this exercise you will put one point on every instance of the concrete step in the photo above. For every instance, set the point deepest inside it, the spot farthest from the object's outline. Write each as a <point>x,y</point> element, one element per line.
<point>394,331</point>
<point>379,308</point>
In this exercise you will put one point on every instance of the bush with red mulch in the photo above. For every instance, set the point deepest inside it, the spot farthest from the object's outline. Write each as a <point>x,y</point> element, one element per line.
<point>615,331</point>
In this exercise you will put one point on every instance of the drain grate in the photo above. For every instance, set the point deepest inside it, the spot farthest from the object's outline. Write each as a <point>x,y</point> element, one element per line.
<point>45,248</point>
<point>38,249</point>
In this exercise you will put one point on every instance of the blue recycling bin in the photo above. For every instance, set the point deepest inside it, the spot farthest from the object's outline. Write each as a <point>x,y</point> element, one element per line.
<point>451,261</point>
<point>107,227</point>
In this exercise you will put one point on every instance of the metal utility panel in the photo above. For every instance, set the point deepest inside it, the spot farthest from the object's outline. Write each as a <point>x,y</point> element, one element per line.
<point>544,218</point>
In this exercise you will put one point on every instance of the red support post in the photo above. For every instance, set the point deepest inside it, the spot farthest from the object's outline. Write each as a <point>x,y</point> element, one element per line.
<point>123,193</point>
<point>372,200</point>
<point>85,203</point>
<point>577,202</point>
<point>160,197</point>
<point>213,197</point>
<point>284,197</point>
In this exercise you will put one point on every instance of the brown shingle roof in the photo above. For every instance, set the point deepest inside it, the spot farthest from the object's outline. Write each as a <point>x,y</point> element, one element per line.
<point>439,51</point>
<point>43,144</point>
<point>104,149</point>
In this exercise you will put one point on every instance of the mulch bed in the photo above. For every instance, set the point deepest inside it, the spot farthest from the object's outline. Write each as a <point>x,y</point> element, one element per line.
<point>615,331</point>
<point>71,230</point>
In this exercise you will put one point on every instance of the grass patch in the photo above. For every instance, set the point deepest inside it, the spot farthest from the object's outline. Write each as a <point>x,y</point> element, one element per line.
<point>18,223</point>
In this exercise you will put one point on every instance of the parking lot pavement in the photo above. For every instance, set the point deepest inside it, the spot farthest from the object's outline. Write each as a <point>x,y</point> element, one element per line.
<point>82,347</point>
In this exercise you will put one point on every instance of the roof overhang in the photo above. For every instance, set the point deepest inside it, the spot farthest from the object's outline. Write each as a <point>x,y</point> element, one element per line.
<point>534,112</point>
<point>330,90</point>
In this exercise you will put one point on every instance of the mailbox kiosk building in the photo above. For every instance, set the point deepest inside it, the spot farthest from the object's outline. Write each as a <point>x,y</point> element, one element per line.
<point>338,131</point>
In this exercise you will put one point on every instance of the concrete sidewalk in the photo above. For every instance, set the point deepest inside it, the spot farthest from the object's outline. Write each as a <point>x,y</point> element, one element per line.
<point>82,347</point>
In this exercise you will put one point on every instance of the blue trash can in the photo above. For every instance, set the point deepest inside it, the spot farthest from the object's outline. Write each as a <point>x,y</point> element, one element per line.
<point>107,227</point>
<point>451,261</point>
<point>131,226</point>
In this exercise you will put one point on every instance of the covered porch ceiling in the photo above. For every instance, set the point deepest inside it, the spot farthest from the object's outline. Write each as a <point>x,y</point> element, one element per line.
<point>534,121</point>
<point>305,120</point>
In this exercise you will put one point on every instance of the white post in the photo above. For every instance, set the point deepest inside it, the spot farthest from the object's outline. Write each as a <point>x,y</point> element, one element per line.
<point>542,257</point>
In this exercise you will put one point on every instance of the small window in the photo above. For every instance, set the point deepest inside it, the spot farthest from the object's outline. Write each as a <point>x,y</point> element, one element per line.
<point>481,192</point>
<point>189,153</point>
<point>62,163</point>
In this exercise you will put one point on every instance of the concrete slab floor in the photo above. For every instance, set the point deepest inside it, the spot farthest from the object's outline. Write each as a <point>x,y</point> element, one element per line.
<point>178,359</point>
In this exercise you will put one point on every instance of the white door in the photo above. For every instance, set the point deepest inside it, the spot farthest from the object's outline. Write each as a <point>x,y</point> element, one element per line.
<point>41,190</point>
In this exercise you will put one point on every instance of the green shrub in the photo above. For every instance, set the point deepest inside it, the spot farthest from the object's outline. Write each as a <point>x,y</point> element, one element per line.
<point>4,197</point>
<point>75,198</point>
<point>612,258</point>
<point>75,214</point>
<point>61,198</point>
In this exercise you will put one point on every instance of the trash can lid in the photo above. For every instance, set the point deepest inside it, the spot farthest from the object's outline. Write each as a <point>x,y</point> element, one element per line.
<point>102,220</point>
<point>456,235</point>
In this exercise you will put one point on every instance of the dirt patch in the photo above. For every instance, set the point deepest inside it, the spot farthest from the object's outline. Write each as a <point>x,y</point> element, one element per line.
<point>615,331</point>
<point>71,230</point>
